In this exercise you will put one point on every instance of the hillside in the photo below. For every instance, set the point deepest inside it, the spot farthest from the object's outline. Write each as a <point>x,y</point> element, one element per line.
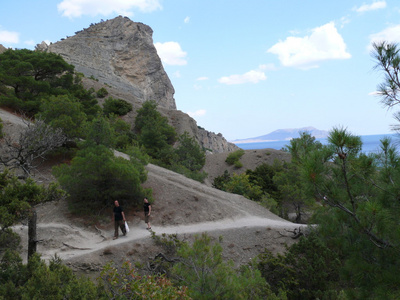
<point>119,55</point>
<point>182,206</point>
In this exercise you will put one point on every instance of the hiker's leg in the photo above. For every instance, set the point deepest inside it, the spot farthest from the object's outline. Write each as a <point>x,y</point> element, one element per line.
<point>122,226</point>
<point>115,228</point>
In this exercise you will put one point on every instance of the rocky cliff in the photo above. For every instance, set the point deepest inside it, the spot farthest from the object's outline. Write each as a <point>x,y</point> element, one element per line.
<point>120,53</point>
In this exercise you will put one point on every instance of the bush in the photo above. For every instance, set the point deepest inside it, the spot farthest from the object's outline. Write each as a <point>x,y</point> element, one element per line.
<point>234,157</point>
<point>240,184</point>
<point>202,269</point>
<point>127,283</point>
<point>101,93</point>
<point>118,107</point>
<point>189,153</point>
<point>309,270</point>
<point>95,178</point>
<point>64,112</point>
<point>154,133</point>
<point>37,280</point>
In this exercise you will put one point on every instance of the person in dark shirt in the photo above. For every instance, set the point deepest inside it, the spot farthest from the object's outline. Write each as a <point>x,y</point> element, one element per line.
<point>147,212</point>
<point>119,219</point>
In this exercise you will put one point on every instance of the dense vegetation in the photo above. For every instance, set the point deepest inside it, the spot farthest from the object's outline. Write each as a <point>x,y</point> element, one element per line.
<point>354,198</point>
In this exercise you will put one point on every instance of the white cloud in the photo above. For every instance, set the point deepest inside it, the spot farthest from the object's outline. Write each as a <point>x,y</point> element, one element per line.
<point>344,21</point>
<point>197,113</point>
<point>390,34</point>
<point>202,78</point>
<point>267,67</point>
<point>9,37</point>
<point>324,43</point>
<point>253,76</point>
<point>368,7</point>
<point>171,53</point>
<point>77,8</point>
<point>187,20</point>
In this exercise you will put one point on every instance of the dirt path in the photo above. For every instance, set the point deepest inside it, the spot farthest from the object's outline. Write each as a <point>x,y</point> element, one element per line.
<point>181,206</point>
<point>71,242</point>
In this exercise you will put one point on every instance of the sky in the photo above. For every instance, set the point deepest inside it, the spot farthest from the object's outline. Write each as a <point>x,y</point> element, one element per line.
<point>245,68</point>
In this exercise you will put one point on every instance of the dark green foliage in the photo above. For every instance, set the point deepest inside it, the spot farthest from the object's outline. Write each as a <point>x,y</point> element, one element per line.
<point>189,158</point>
<point>189,153</point>
<point>123,136</point>
<point>292,192</point>
<point>240,184</point>
<point>126,283</point>
<point>360,219</point>
<point>87,99</point>
<point>118,107</point>
<point>64,112</point>
<point>263,177</point>
<point>154,133</point>
<point>16,199</point>
<point>27,75</point>
<point>100,132</point>
<point>101,93</point>
<point>111,132</point>
<point>95,178</point>
<point>202,269</point>
<point>309,270</point>
<point>220,181</point>
<point>234,158</point>
<point>387,59</point>
<point>37,280</point>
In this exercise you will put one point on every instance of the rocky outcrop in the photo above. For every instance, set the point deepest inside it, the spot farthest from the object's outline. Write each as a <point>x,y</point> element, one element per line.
<point>119,53</point>
<point>182,122</point>
<point>2,49</point>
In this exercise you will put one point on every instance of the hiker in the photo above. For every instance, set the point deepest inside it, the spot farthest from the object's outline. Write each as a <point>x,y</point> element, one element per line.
<point>119,219</point>
<point>147,212</point>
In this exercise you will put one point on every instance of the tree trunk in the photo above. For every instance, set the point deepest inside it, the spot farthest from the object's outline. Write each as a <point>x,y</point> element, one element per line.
<point>32,238</point>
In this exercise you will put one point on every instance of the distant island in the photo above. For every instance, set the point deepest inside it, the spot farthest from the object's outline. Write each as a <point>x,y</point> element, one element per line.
<point>283,135</point>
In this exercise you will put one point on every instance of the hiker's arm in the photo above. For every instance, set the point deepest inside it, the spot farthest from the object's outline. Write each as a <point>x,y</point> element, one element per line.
<point>123,215</point>
<point>149,210</point>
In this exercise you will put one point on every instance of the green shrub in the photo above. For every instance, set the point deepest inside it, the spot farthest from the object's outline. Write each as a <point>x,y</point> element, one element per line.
<point>202,269</point>
<point>101,93</point>
<point>189,153</point>
<point>309,270</point>
<point>95,178</point>
<point>118,107</point>
<point>64,112</point>
<point>233,158</point>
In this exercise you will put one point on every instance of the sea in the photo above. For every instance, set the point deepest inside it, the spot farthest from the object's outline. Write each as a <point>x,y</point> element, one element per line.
<point>370,143</point>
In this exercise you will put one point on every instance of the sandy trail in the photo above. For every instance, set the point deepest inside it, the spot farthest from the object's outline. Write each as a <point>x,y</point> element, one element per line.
<point>68,241</point>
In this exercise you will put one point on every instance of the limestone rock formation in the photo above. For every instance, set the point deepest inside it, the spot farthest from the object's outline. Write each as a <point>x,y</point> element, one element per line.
<point>2,48</point>
<point>208,140</point>
<point>120,53</point>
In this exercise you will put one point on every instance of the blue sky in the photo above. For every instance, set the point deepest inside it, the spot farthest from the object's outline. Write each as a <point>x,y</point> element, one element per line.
<point>244,68</point>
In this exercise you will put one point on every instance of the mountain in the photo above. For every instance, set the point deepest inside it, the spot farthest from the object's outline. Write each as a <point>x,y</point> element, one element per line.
<point>119,55</point>
<point>284,135</point>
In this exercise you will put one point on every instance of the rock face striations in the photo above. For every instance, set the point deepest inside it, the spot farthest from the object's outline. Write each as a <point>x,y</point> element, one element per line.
<point>120,53</point>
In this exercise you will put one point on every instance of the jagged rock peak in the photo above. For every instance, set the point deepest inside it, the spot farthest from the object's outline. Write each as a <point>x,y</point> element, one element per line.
<point>2,48</point>
<point>120,53</point>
